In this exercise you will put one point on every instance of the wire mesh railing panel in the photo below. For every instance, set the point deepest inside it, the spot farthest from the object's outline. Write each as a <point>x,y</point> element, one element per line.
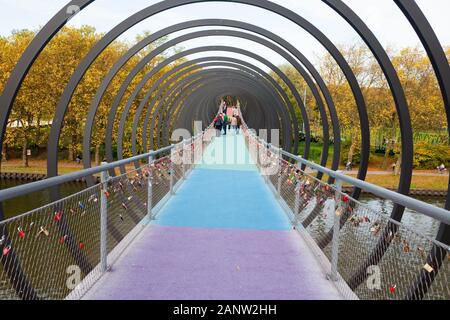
<point>378,258</point>
<point>51,246</point>
<point>56,251</point>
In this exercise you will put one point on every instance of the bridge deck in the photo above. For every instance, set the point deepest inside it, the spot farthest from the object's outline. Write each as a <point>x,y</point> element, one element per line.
<point>222,236</point>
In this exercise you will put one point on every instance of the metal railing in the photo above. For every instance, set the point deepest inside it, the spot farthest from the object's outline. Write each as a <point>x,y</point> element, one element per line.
<point>60,250</point>
<point>348,234</point>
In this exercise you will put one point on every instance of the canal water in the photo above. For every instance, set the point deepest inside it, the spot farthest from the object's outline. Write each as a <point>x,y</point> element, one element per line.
<point>416,221</point>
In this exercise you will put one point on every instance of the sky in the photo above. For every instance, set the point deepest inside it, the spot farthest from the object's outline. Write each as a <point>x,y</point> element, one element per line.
<point>382,16</point>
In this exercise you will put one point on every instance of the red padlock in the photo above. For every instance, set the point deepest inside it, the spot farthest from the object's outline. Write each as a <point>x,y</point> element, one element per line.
<point>392,289</point>
<point>6,250</point>
<point>21,233</point>
<point>58,215</point>
<point>63,239</point>
<point>345,198</point>
<point>81,245</point>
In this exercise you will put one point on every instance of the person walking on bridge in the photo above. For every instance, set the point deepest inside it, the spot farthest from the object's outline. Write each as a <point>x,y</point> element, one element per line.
<point>225,123</point>
<point>218,124</point>
<point>238,123</point>
<point>234,123</point>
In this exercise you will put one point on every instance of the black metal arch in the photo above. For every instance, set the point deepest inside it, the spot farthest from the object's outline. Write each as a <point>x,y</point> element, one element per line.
<point>221,74</point>
<point>408,7</point>
<point>213,48</point>
<point>211,87</point>
<point>164,139</point>
<point>236,24</point>
<point>162,6</point>
<point>176,86</point>
<point>126,83</point>
<point>144,101</point>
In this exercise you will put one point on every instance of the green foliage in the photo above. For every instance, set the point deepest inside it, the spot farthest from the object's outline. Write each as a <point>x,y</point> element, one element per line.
<point>345,147</point>
<point>429,156</point>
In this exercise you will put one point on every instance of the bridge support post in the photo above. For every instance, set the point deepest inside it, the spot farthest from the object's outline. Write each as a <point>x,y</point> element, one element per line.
<point>336,230</point>
<point>104,222</point>
<point>184,158</point>
<point>297,198</point>
<point>279,173</point>
<point>171,169</point>
<point>150,188</point>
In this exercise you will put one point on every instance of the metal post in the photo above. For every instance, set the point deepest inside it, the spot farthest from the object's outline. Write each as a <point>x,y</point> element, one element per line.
<point>149,188</point>
<point>183,164</point>
<point>297,197</point>
<point>279,174</point>
<point>171,169</point>
<point>336,230</point>
<point>104,222</point>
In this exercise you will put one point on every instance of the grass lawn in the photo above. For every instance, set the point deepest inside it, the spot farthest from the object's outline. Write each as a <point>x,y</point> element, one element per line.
<point>40,167</point>
<point>316,151</point>
<point>36,169</point>
<point>418,182</point>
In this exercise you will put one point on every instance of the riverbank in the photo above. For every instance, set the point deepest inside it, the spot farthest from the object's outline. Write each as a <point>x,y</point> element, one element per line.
<point>424,182</point>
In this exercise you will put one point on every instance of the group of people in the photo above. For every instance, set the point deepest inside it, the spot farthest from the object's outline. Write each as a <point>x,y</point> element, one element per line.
<point>223,122</point>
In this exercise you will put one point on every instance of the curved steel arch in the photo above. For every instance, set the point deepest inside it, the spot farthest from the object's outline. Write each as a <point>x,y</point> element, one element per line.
<point>156,85</point>
<point>163,88</point>
<point>143,102</point>
<point>274,83</point>
<point>409,8</point>
<point>216,48</point>
<point>168,111</point>
<point>168,4</point>
<point>165,135</point>
<point>236,24</point>
<point>135,71</point>
<point>206,92</point>
<point>441,68</point>
<point>249,27</point>
<point>220,73</point>
<point>209,90</point>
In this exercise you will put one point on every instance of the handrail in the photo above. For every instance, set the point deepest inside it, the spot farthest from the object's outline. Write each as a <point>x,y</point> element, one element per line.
<point>425,208</point>
<point>24,189</point>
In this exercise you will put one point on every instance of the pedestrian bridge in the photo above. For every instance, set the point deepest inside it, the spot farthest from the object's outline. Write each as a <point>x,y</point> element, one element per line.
<point>217,217</point>
<point>172,222</point>
<point>222,235</point>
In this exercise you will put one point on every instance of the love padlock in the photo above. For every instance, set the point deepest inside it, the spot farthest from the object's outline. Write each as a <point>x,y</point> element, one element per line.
<point>428,268</point>
<point>339,211</point>
<point>63,239</point>
<point>392,289</point>
<point>58,215</point>
<point>21,233</point>
<point>345,198</point>
<point>81,245</point>
<point>124,206</point>
<point>6,250</point>
<point>42,230</point>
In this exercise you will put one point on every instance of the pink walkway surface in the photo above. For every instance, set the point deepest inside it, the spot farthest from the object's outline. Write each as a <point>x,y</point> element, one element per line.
<point>179,263</point>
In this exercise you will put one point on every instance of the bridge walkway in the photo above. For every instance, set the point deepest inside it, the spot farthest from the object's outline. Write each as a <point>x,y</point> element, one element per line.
<point>223,236</point>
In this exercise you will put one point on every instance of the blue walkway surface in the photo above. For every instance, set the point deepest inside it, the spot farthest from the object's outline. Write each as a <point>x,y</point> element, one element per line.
<point>222,236</point>
<point>230,201</point>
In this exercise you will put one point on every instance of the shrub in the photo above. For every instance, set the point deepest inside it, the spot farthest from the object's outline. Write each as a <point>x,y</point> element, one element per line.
<point>429,156</point>
<point>345,147</point>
